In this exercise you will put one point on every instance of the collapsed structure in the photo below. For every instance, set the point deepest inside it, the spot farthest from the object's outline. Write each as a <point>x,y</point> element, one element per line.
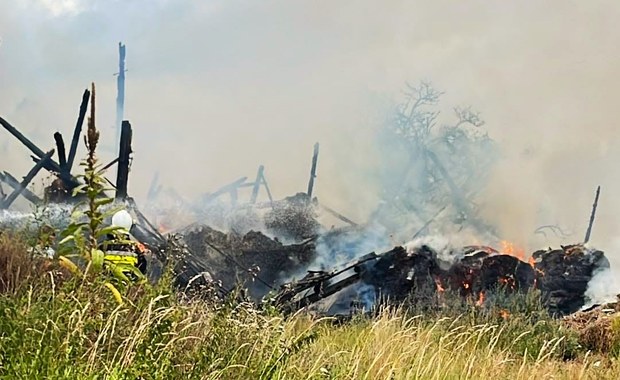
<point>294,260</point>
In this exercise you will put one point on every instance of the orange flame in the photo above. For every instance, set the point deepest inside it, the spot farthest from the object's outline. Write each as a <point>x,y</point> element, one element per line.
<point>466,285</point>
<point>481,298</point>
<point>509,248</point>
<point>440,287</point>
<point>504,314</point>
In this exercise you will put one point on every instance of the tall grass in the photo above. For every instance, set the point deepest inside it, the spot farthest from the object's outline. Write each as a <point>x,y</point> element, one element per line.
<point>57,327</point>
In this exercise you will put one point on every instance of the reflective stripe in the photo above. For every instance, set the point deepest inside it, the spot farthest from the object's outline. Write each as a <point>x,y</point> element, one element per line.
<point>121,253</point>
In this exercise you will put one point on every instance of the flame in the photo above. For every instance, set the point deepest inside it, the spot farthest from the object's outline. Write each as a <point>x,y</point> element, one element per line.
<point>440,287</point>
<point>508,281</point>
<point>509,248</point>
<point>481,298</point>
<point>505,314</point>
<point>466,285</point>
<point>532,261</point>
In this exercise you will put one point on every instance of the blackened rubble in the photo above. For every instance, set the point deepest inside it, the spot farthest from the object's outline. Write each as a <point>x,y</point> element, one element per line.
<point>563,275</point>
<point>253,260</point>
<point>417,275</point>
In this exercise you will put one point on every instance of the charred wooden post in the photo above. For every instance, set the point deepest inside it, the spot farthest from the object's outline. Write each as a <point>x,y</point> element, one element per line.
<point>62,157</point>
<point>264,181</point>
<point>592,215</point>
<point>120,88</point>
<point>78,130</point>
<point>315,157</point>
<point>122,176</point>
<point>257,183</point>
<point>33,172</point>
<point>7,178</point>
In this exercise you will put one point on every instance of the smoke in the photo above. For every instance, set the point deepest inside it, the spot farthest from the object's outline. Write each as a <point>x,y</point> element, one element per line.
<point>216,88</point>
<point>604,287</point>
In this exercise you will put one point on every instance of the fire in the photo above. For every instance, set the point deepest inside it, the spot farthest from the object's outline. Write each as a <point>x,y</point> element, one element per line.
<point>504,314</point>
<point>532,261</point>
<point>507,281</point>
<point>509,248</point>
<point>481,298</point>
<point>466,285</point>
<point>440,287</point>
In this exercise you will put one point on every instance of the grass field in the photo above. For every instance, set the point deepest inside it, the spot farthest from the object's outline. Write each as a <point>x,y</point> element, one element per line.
<point>56,326</point>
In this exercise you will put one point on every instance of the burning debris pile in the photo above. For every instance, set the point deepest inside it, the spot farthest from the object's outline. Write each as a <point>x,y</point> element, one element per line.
<point>253,260</point>
<point>442,172</point>
<point>418,274</point>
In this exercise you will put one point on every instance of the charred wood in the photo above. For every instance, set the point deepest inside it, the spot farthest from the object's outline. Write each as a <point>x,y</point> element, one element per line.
<point>78,129</point>
<point>31,174</point>
<point>122,176</point>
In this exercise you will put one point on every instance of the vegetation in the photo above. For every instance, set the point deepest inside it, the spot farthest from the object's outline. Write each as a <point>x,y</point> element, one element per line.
<point>57,325</point>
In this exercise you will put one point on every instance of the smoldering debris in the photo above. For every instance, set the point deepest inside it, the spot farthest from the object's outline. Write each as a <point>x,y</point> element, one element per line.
<point>252,260</point>
<point>417,276</point>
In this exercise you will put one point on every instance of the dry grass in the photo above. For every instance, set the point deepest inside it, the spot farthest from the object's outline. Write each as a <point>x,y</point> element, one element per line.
<point>77,330</point>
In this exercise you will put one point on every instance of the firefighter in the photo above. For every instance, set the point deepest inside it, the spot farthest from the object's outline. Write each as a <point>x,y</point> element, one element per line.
<point>123,250</point>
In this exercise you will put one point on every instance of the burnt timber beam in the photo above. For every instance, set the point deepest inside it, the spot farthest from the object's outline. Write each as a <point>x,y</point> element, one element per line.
<point>120,91</point>
<point>31,174</point>
<point>315,157</point>
<point>29,144</point>
<point>7,178</point>
<point>257,183</point>
<point>60,146</point>
<point>592,215</point>
<point>339,215</point>
<point>78,129</point>
<point>226,189</point>
<point>264,180</point>
<point>114,161</point>
<point>49,164</point>
<point>124,154</point>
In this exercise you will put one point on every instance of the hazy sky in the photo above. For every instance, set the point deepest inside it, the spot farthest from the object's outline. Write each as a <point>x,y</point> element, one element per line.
<point>215,88</point>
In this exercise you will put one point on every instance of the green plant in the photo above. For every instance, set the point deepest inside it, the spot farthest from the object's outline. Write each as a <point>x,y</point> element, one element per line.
<point>79,244</point>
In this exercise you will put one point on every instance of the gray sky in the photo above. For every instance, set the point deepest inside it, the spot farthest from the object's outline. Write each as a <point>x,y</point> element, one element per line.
<point>217,87</point>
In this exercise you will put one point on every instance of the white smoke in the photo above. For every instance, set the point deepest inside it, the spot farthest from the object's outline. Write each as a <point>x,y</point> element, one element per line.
<point>604,287</point>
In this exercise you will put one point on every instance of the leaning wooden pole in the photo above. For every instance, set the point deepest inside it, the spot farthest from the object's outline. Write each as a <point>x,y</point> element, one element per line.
<point>33,172</point>
<point>257,183</point>
<point>29,144</point>
<point>122,175</point>
<point>315,158</point>
<point>592,215</point>
<point>62,157</point>
<point>120,90</point>
<point>77,131</point>
<point>7,178</point>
